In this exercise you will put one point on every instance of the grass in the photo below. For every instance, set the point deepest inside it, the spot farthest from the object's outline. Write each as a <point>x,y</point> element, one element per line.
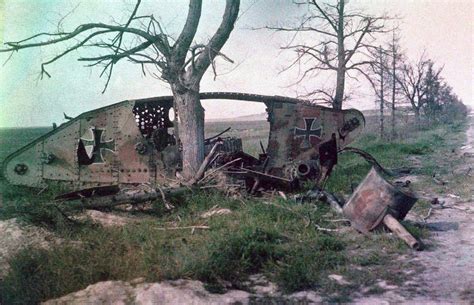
<point>254,238</point>
<point>251,132</point>
<point>277,238</point>
<point>420,145</point>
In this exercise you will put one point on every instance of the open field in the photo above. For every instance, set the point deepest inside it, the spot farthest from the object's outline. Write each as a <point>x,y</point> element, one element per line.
<point>251,132</point>
<point>278,238</point>
<point>12,139</point>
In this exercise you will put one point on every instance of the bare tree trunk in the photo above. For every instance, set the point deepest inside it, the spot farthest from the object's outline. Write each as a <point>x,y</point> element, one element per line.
<point>191,129</point>
<point>381,92</point>
<point>340,84</point>
<point>343,40</point>
<point>417,117</point>
<point>341,60</point>
<point>393,98</point>
<point>394,83</point>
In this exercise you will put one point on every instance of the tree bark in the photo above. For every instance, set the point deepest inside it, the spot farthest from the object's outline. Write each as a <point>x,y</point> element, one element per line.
<point>340,84</point>
<point>341,60</point>
<point>393,97</point>
<point>417,117</point>
<point>382,95</point>
<point>191,129</point>
<point>394,83</point>
<point>399,230</point>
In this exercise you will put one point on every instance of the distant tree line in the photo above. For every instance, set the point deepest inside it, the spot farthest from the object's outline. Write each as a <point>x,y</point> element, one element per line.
<point>339,40</point>
<point>417,85</point>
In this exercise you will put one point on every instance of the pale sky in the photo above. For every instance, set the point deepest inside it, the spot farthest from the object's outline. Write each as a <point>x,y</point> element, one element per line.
<point>443,27</point>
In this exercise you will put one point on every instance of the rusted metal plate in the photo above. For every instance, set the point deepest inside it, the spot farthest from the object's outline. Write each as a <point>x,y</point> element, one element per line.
<point>62,145</point>
<point>136,142</point>
<point>25,168</point>
<point>149,152</point>
<point>132,166</point>
<point>297,132</point>
<point>373,199</point>
<point>96,148</point>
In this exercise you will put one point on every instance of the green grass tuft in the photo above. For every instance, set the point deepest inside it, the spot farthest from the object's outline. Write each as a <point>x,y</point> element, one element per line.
<point>307,263</point>
<point>237,254</point>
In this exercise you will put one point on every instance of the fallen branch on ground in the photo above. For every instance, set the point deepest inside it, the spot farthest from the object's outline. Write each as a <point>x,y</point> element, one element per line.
<point>205,164</point>
<point>319,228</point>
<point>318,194</point>
<point>127,197</point>
<point>428,215</point>
<point>184,228</point>
<point>214,171</point>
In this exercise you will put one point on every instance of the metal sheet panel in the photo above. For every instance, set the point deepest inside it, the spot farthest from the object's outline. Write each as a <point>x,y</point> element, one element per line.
<point>133,167</point>
<point>32,175</point>
<point>97,136</point>
<point>373,199</point>
<point>298,130</point>
<point>62,145</point>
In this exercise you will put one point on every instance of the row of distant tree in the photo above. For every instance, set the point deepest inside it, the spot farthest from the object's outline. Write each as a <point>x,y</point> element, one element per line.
<point>401,83</point>
<point>337,39</point>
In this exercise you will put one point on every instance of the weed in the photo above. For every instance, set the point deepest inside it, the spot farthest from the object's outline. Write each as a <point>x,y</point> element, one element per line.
<point>46,215</point>
<point>370,259</point>
<point>416,230</point>
<point>415,149</point>
<point>240,253</point>
<point>304,267</point>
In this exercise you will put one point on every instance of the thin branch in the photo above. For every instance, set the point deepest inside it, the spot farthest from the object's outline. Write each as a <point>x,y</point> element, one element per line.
<point>15,46</point>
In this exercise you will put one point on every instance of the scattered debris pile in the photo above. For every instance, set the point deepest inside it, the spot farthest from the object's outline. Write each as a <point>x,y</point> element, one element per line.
<point>374,204</point>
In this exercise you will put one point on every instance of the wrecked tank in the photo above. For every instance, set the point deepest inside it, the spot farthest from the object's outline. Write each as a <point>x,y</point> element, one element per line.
<point>135,141</point>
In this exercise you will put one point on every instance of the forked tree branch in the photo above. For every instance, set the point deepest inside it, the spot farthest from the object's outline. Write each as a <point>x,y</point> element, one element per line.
<point>182,44</point>
<point>344,38</point>
<point>217,41</point>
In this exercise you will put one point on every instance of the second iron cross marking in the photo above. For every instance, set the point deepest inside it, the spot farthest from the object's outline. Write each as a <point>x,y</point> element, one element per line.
<point>311,129</point>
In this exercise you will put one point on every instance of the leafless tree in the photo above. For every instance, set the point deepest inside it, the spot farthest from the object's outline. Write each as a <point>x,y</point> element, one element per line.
<point>143,41</point>
<point>382,73</point>
<point>341,38</point>
<point>396,55</point>
<point>377,75</point>
<point>415,81</point>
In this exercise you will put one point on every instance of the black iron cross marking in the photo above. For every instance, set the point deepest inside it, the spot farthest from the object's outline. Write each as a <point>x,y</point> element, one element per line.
<point>309,131</point>
<point>97,145</point>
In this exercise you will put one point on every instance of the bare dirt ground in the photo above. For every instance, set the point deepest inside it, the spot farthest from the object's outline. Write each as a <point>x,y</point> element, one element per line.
<point>444,272</point>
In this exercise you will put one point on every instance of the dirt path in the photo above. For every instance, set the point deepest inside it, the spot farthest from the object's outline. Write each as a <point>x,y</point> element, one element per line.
<point>447,264</point>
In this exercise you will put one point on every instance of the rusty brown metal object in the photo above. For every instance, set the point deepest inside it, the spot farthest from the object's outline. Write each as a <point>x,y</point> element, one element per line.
<point>299,131</point>
<point>373,200</point>
<point>135,142</point>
